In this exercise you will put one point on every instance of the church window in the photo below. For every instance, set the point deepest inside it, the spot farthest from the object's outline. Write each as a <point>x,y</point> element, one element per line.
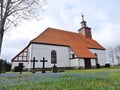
<point>53,57</point>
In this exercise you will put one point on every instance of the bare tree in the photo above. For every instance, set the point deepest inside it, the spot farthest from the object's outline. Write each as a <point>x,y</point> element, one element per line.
<point>2,65</point>
<point>117,53</point>
<point>12,11</point>
<point>111,53</point>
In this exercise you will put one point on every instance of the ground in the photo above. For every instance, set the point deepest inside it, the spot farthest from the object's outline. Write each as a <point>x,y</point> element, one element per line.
<point>90,79</point>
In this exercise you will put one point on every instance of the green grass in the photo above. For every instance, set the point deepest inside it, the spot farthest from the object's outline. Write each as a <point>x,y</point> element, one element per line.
<point>90,79</point>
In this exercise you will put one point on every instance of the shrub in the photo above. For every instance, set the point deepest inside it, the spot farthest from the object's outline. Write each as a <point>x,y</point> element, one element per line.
<point>7,66</point>
<point>2,66</point>
<point>107,65</point>
<point>16,69</point>
<point>97,65</point>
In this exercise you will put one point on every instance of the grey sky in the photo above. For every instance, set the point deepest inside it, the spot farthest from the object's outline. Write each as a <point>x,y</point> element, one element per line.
<point>101,15</point>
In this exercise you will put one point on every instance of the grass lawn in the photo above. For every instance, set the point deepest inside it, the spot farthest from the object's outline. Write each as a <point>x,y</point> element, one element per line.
<point>92,79</point>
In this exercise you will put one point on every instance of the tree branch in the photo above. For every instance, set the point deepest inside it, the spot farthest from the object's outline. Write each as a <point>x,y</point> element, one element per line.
<point>13,10</point>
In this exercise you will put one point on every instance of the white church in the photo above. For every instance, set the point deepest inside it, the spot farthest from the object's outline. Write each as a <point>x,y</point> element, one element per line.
<point>63,48</point>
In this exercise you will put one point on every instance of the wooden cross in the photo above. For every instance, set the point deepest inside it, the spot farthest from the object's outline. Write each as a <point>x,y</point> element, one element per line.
<point>33,69</point>
<point>43,69</point>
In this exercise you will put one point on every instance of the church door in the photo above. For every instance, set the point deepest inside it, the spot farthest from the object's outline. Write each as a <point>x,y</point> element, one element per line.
<point>87,63</point>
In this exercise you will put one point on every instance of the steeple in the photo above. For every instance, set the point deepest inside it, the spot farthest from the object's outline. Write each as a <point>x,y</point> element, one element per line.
<point>83,23</point>
<point>86,31</point>
<point>82,17</point>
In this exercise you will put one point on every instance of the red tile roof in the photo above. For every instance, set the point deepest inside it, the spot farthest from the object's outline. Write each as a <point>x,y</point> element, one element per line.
<point>76,41</point>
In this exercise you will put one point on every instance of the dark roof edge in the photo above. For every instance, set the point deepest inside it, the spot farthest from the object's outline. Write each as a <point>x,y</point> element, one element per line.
<point>97,48</point>
<point>49,44</point>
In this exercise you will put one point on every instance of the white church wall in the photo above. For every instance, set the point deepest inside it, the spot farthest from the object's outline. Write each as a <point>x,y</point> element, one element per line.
<point>101,56</point>
<point>81,62</point>
<point>14,64</point>
<point>78,63</point>
<point>74,62</point>
<point>41,50</point>
<point>29,56</point>
<point>93,62</point>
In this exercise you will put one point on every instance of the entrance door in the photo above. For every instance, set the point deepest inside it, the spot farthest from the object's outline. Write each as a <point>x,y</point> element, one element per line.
<point>87,63</point>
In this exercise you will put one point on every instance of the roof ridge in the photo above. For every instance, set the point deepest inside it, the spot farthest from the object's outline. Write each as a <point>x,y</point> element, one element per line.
<point>40,34</point>
<point>61,30</point>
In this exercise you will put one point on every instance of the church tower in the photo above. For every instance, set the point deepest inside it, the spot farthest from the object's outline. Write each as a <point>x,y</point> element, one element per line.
<point>86,31</point>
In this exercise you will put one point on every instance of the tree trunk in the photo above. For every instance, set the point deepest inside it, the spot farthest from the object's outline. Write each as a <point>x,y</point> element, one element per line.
<point>1,38</point>
<point>2,22</point>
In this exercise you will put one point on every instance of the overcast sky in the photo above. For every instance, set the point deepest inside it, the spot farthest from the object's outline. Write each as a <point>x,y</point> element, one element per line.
<point>103,16</point>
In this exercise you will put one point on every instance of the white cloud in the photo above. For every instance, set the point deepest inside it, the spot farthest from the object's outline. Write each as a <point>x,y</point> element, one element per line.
<point>108,34</point>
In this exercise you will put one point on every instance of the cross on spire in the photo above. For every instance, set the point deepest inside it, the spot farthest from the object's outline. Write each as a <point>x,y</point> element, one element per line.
<point>83,23</point>
<point>82,17</point>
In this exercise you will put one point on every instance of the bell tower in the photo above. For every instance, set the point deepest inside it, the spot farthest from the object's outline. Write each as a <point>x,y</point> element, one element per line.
<point>86,31</point>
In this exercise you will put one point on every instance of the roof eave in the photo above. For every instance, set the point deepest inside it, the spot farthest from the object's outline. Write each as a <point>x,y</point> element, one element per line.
<point>49,44</point>
<point>97,48</point>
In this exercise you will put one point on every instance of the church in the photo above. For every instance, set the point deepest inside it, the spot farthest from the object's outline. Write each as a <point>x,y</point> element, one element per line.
<point>62,48</point>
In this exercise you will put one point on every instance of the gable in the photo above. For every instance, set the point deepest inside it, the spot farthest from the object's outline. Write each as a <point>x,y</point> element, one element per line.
<point>22,56</point>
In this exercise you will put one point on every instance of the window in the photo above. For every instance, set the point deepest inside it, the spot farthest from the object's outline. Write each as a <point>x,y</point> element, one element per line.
<point>73,56</point>
<point>53,57</point>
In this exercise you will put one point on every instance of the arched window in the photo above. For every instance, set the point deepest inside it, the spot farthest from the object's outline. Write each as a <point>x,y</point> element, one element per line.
<point>53,57</point>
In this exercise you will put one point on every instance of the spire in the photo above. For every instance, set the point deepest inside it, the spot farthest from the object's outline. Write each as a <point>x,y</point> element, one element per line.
<point>86,31</point>
<point>83,23</point>
<point>82,17</point>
